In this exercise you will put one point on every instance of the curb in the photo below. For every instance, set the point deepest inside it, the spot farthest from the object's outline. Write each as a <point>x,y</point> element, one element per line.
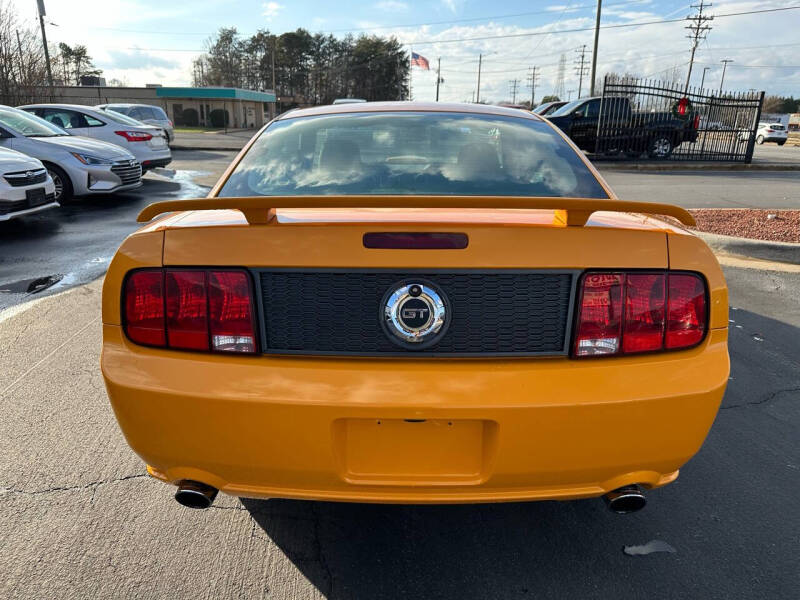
<point>211,148</point>
<point>687,166</point>
<point>784,252</point>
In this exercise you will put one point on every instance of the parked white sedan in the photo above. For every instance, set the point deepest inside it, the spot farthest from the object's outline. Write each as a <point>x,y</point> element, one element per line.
<point>146,142</point>
<point>25,186</point>
<point>78,165</point>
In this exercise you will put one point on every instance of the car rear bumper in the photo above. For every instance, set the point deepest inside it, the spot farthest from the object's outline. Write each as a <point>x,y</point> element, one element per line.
<point>414,431</point>
<point>155,163</point>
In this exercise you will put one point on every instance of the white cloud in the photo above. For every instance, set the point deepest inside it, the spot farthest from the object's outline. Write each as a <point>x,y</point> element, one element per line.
<point>392,6</point>
<point>450,4</point>
<point>270,10</point>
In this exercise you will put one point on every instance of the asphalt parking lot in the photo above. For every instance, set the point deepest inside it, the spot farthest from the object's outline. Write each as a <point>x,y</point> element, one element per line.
<point>81,519</point>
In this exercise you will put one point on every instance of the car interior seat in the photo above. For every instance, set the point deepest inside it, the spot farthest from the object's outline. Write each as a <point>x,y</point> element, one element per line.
<point>340,155</point>
<point>478,160</point>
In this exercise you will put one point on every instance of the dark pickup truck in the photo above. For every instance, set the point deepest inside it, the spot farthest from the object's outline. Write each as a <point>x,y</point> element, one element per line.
<point>610,126</point>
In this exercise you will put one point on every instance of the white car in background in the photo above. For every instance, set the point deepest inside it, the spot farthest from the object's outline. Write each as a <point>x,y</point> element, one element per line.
<point>146,113</point>
<point>146,142</point>
<point>78,165</point>
<point>25,186</point>
<point>768,132</point>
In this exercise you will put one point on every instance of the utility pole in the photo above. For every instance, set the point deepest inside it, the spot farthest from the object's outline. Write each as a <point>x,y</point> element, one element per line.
<point>478,94</point>
<point>42,14</point>
<point>596,40</point>
<point>580,67</point>
<point>514,83</point>
<point>724,66</point>
<point>569,95</point>
<point>698,30</point>
<point>438,76</point>
<point>703,80</point>
<point>532,76</point>
<point>19,48</point>
<point>274,107</point>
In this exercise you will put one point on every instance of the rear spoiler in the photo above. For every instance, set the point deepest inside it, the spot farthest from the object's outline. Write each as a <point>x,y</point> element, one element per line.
<point>574,212</point>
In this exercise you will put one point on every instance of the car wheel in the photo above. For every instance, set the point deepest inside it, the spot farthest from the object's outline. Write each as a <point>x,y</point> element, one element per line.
<point>62,183</point>
<point>760,139</point>
<point>781,143</point>
<point>660,147</point>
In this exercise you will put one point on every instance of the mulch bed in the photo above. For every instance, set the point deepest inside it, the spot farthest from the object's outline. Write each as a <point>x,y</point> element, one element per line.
<point>757,224</point>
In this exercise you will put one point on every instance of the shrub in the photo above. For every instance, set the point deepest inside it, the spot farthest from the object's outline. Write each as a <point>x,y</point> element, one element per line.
<point>219,118</point>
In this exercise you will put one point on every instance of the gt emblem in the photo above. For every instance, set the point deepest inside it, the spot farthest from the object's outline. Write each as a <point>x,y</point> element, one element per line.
<point>414,314</point>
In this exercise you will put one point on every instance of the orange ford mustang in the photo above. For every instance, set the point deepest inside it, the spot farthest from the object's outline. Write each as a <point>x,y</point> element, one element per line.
<point>407,302</point>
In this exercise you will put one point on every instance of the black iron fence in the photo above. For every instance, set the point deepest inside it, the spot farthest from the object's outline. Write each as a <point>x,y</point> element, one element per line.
<point>647,118</point>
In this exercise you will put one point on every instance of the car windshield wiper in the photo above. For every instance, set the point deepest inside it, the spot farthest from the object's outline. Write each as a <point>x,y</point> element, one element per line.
<point>46,135</point>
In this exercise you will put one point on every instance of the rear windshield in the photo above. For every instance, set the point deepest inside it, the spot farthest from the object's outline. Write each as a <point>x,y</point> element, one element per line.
<point>118,117</point>
<point>776,126</point>
<point>411,153</point>
<point>123,110</point>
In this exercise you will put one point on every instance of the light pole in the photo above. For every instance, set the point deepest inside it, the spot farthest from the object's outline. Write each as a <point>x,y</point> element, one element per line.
<point>724,66</point>
<point>42,13</point>
<point>704,78</point>
<point>478,94</point>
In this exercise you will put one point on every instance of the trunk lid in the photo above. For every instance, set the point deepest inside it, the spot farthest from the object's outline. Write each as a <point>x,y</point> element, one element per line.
<point>333,238</point>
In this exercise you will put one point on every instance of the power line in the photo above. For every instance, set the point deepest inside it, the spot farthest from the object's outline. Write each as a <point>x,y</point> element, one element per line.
<point>519,35</point>
<point>579,29</point>
<point>567,8</point>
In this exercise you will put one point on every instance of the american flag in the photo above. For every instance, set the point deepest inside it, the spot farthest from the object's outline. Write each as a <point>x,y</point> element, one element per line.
<point>420,61</point>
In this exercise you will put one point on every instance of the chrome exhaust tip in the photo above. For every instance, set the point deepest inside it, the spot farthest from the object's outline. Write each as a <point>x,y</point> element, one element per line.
<point>626,499</point>
<point>193,494</point>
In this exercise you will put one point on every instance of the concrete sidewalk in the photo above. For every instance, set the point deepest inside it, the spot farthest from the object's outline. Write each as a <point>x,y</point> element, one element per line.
<point>80,517</point>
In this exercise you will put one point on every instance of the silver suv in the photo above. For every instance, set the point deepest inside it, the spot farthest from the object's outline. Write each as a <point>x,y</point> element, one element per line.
<point>146,113</point>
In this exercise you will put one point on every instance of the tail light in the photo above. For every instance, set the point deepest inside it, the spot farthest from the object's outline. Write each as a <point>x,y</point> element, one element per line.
<point>633,312</point>
<point>135,136</point>
<point>190,309</point>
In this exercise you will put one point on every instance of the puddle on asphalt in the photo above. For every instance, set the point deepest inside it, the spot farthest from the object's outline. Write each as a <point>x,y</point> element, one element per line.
<point>30,286</point>
<point>188,189</point>
<point>649,548</point>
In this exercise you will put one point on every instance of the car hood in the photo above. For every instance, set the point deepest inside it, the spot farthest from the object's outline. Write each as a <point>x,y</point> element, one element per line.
<point>11,160</point>
<point>76,143</point>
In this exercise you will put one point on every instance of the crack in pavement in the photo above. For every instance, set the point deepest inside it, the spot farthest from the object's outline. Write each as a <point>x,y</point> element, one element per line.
<point>770,397</point>
<point>87,486</point>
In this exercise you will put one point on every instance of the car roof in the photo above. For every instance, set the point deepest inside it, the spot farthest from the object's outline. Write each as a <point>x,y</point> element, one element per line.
<point>128,104</point>
<point>431,107</point>
<point>55,105</point>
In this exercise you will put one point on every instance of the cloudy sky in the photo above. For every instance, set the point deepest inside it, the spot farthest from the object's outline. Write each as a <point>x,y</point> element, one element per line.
<point>148,41</point>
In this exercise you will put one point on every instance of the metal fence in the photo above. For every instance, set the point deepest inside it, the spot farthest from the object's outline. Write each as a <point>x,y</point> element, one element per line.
<point>647,118</point>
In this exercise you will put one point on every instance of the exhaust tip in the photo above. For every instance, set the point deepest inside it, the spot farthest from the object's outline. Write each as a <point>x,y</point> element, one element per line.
<point>626,499</point>
<point>193,494</point>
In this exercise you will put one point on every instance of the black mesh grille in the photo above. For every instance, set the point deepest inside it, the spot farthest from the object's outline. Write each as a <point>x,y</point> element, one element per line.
<point>22,178</point>
<point>335,312</point>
